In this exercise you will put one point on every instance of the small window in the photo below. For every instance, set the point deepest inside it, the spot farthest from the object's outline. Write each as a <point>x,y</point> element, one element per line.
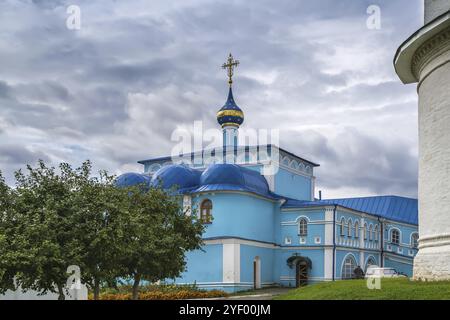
<point>303,227</point>
<point>356,229</point>
<point>370,233</point>
<point>395,236</point>
<point>205,211</point>
<point>415,240</point>
<point>349,230</point>
<point>342,226</point>
<point>365,231</point>
<point>375,231</point>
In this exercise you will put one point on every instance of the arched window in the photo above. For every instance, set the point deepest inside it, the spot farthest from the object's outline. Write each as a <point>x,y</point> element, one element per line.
<point>303,227</point>
<point>350,226</point>
<point>205,211</point>
<point>414,240</point>
<point>375,233</point>
<point>370,233</point>
<point>342,226</point>
<point>365,231</point>
<point>356,229</point>
<point>370,262</point>
<point>348,267</point>
<point>395,236</point>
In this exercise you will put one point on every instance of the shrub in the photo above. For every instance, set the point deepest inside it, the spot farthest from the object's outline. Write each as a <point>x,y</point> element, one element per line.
<point>160,292</point>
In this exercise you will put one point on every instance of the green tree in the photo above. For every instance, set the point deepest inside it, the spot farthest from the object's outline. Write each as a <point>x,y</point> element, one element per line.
<point>157,234</point>
<point>99,220</point>
<point>8,260</point>
<point>41,231</point>
<point>57,218</point>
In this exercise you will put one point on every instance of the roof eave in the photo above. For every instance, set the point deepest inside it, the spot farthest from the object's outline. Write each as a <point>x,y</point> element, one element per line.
<point>405,53</point>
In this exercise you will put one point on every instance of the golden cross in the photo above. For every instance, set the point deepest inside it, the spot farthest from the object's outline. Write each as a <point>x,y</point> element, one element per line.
<point>230,65</point>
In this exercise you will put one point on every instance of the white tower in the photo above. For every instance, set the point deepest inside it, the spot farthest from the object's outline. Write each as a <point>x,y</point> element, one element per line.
<point>424,58</point>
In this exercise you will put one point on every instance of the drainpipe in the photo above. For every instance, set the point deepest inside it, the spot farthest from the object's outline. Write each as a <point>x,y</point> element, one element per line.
<point>382,242</point>
<point>334,240</point>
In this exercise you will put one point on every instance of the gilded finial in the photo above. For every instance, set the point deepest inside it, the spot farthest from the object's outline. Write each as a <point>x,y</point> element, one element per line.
<point>230,65</point>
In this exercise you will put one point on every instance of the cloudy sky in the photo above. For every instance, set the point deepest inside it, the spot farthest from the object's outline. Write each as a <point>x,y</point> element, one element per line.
<point>115,90</point>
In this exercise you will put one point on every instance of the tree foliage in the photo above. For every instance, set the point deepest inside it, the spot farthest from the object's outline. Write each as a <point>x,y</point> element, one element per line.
<point>55,218</point>
<point>158,233</point>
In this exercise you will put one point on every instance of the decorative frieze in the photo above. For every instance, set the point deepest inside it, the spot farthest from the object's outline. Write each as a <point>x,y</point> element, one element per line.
<point>428,51</point>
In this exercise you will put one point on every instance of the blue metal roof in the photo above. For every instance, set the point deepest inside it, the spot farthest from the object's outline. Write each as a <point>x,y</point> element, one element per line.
<point>218,177</point>
<point>231,177</point>
<point>389,207</point>
<point>132,179</point>
<point>180,176</point>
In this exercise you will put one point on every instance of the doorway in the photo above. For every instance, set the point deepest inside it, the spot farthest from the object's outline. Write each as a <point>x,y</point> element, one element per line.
<point>257,273</point>
<point>301,273</point>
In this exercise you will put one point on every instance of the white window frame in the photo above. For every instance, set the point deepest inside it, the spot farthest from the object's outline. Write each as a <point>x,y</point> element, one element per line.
<point>342,230</point>
<point>397,242</point>
<point>414,244</point>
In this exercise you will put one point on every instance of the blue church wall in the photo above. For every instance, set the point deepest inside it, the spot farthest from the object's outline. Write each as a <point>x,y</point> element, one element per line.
<point>204,267</point>
<point>267,260</point>
<point>290,227</point>
<point>292,185</point>
<point>405,267</point>
<point>405,246</point>
<point>236,215</point>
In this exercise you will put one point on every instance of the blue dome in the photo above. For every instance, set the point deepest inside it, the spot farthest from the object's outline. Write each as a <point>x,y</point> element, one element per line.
<point>230,114</point>
<point>236,177</point>
<point>131,179</point>
<point>176,175</point>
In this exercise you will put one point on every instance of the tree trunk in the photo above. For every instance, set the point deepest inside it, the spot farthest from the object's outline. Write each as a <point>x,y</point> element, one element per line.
<point>61,296</point>
<point>96,289</point>
<point>137,280</point>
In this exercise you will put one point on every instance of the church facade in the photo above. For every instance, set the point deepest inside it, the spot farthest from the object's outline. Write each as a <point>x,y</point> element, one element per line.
<point>266,228</point>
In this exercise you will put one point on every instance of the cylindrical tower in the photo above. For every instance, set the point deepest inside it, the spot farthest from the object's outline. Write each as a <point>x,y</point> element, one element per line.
<point>424,58</point>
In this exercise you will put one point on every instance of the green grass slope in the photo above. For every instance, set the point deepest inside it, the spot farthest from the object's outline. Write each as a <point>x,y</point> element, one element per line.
<point>391,289</point>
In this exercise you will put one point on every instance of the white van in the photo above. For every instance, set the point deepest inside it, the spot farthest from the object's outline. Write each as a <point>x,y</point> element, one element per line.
<point>383,273</point>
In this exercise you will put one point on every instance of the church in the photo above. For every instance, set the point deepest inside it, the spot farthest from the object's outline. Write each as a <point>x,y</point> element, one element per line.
<point>265,227</point>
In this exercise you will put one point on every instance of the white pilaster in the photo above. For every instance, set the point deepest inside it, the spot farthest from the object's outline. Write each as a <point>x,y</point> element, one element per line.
<point>328,241</point>
<point>231,262</point>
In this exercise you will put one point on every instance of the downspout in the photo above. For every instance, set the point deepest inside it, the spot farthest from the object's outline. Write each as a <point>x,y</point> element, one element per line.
<point>382,242</point>
<point>334,240</point>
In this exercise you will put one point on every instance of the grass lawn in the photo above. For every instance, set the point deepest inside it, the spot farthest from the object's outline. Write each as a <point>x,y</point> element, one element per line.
<point>391,289</point>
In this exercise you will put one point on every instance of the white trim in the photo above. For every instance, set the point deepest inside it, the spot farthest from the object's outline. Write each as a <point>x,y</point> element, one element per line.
<point>257,283</point>
<point>345,258</point>
<point>198,194</point>
<point>392,228</point>
<point>367,260</point>
<point>241,242</point>
<point>303,209</point>
<point>411,239</point>
<point>293,223</point>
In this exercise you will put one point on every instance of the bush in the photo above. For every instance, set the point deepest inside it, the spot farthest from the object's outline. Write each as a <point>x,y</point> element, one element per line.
<point>160,292</point>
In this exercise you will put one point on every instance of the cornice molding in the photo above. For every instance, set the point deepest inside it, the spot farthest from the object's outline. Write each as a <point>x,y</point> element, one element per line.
<point>428,51</point>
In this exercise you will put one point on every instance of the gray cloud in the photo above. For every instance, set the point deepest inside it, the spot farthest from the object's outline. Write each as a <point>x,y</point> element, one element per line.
<point>115,90</point>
